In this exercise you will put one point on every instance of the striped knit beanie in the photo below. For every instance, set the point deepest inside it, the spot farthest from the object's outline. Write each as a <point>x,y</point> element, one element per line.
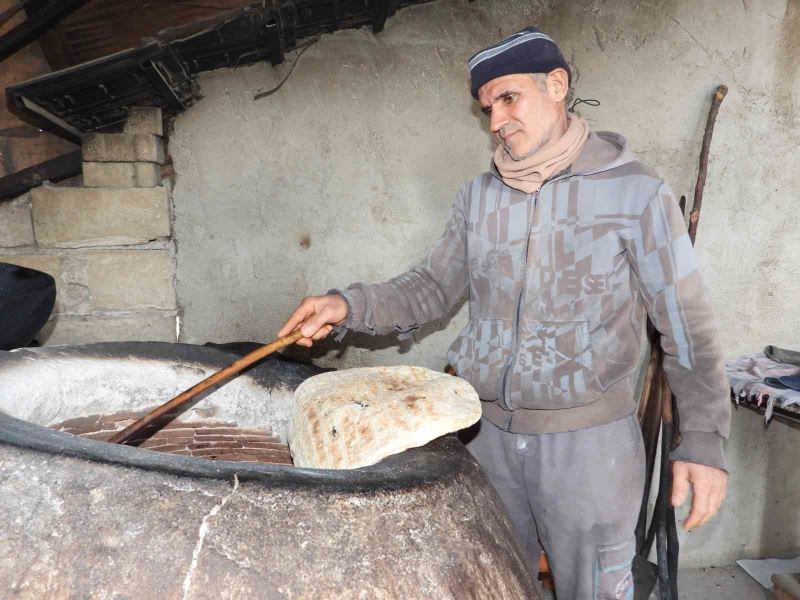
<point>527,51</point>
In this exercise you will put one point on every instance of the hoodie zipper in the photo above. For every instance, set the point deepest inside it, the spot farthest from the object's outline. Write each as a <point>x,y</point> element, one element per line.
<point>504,383</point>
<point>504,379</point>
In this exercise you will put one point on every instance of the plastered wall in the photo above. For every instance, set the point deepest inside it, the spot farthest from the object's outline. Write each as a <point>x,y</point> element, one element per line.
<point>347,172</point>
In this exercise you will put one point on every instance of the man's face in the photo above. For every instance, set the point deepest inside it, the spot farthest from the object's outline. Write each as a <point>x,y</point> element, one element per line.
<point>522,117</point>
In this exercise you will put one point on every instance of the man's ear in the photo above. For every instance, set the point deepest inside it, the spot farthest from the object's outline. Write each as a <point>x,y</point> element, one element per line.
<point>557,84</point>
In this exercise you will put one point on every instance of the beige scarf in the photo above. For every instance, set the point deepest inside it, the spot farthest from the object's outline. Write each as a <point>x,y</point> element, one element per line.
<point>528,174</point>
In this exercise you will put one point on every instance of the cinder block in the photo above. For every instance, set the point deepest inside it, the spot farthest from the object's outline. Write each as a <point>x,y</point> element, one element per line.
<point>144,119</point>
<point>130,279</point>
<point>121,175</point>
<point>141,327</point>
<point>122,147</point>
<point>16,228</point>
<point>77,217</point>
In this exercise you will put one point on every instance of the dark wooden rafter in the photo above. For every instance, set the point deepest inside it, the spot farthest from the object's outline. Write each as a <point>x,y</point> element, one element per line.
<point>36,24</point>
<point>104,27</point>
<point>95,95</point>
<point>12,11</point>
<point>56,169</point>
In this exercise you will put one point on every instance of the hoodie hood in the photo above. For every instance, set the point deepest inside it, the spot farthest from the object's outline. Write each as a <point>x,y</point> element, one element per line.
<point>603,151</point>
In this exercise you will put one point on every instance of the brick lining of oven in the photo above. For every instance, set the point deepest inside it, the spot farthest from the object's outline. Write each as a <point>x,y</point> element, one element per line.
<point>214,440</point>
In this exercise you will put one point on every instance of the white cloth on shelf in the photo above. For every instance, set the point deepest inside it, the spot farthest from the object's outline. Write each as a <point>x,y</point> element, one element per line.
<point>747,373</point>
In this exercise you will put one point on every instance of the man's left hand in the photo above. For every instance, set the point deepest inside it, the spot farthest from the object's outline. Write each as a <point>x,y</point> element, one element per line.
<point>708,490</point>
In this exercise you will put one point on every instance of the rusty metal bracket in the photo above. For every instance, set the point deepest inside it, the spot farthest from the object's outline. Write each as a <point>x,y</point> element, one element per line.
<point>272,31</point>
<point>380,10</point>
<point>288,21</point>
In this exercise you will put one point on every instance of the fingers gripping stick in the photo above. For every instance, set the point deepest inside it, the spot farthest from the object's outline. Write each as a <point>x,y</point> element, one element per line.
<point>315,317</point>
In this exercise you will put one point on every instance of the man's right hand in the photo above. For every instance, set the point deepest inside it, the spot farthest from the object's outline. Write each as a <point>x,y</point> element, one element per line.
<point>316,316</point>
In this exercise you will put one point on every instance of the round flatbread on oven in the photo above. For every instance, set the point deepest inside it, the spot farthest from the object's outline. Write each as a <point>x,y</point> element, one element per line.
<point>356,417</point>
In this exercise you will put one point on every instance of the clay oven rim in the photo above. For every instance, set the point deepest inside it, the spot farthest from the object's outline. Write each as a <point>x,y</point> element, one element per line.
<point>442,459</point>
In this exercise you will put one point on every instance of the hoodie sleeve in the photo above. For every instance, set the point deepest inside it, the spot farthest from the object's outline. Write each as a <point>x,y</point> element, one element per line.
<point>675,298</point>
<point>422,294</point>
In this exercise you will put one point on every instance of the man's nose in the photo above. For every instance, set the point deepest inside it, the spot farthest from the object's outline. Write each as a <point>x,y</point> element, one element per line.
<point>498,120</point>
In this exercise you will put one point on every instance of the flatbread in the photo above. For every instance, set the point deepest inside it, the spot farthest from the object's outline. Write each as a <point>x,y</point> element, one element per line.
<point>357,417</point>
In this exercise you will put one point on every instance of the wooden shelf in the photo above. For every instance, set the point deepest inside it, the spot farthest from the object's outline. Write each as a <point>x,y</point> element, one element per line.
<point>784,415</point>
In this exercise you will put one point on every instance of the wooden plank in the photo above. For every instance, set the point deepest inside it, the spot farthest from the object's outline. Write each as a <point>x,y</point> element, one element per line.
<point>787,417</point>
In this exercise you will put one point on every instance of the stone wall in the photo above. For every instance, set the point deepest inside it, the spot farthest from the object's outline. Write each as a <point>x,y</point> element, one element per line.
<point>108,242</point>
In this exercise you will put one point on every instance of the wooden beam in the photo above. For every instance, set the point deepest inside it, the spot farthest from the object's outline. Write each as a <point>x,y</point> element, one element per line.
<point>12,11</point>
<point>62,167</point>
<point>37,24</point>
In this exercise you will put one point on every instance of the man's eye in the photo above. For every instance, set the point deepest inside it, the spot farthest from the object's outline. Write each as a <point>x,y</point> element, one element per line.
<point>509,99</point>
<point>487,110</point>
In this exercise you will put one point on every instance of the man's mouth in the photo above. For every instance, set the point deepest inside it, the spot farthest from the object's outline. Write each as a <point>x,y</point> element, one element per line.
<point>505,137</point>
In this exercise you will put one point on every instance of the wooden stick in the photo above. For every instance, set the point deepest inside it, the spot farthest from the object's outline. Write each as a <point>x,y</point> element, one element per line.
<point>657,405</point>
<point>181,399</point>
<point>666,400</point>
<point>647,384</point>
<point>694,216</point>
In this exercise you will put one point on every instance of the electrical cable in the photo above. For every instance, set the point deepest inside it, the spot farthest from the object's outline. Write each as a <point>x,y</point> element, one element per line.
<point>302,48</point>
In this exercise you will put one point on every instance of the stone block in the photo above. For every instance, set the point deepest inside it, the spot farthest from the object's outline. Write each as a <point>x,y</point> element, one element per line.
<point>46,263</point>
<point>121,174</point>
<point>141,327</point>
<point>16,227</point>
<point>77,217</point>
<point>123,147</point>
<point>130,279</point>
<point>144,119</point>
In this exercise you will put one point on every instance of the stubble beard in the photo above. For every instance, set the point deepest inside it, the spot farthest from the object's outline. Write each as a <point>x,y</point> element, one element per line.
<point>514,156</point>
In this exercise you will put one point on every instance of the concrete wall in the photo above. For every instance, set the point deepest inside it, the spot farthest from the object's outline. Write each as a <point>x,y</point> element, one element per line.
<point>348,171</point>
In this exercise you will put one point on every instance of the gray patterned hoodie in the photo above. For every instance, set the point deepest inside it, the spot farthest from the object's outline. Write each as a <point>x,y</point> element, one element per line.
<point>559,282</point>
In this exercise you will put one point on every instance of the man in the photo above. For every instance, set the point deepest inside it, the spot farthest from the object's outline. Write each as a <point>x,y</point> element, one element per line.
<point>563,246</point>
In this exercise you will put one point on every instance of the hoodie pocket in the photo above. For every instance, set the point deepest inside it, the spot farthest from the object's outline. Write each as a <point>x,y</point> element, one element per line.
<point>553,367</point>
<point>479,354</point>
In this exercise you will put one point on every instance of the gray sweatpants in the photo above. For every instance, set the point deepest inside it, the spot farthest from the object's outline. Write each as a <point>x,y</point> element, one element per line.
<point>575,494</point>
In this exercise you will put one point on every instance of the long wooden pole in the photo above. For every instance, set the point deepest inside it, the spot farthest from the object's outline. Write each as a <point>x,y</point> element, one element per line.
<point>181,399</point>
<point>657,404</point>
<point>694,216</point>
